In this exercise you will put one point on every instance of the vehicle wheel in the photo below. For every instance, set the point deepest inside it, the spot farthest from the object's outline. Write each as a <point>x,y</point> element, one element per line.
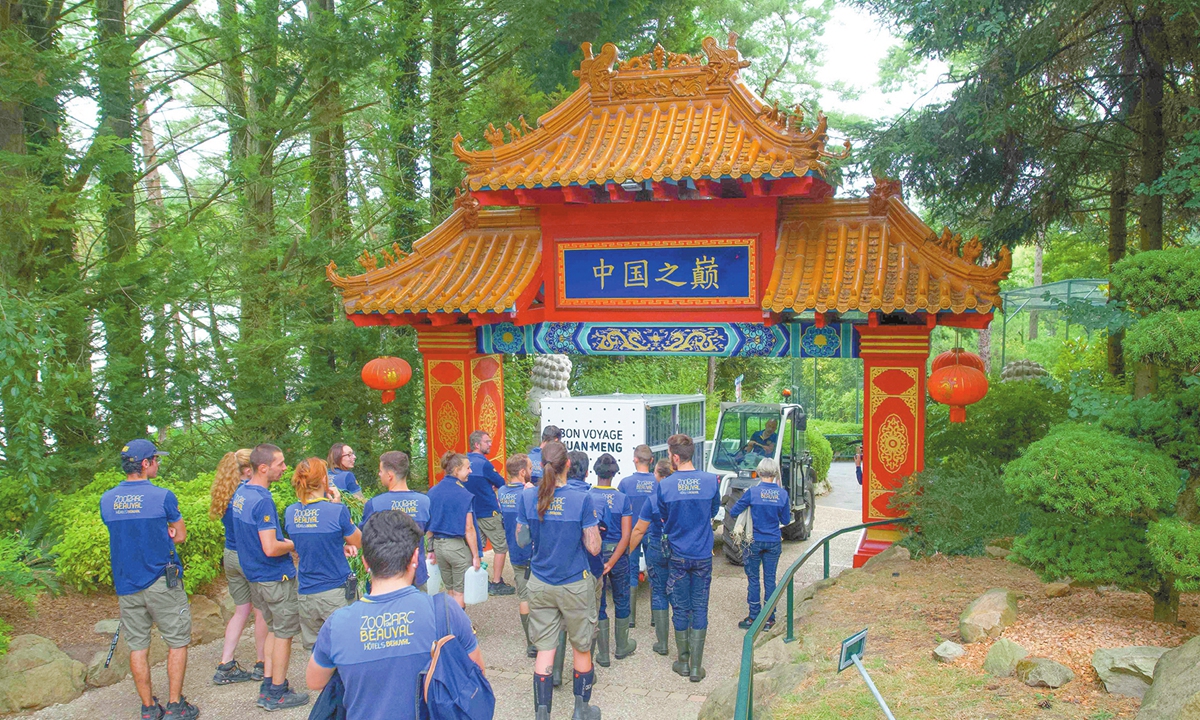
<point>732,554</point>
<point>802,520</point>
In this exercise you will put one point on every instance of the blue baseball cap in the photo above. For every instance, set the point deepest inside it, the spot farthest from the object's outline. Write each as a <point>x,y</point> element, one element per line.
<point>139,450</point>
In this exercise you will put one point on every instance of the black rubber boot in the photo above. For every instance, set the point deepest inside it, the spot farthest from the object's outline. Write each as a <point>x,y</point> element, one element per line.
<point>661,620</point>
<point>601,648</point>
<point>696,654</point>
<point>583,696</point>
<point>559,654</point>
<point>624,646</point>
<point>680,666</point>
<point>530,650</point>
<point>543,696</point>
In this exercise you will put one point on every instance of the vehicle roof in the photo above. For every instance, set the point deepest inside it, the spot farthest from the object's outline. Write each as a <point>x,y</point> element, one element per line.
<point>757,407</point>
<point>631,397</point>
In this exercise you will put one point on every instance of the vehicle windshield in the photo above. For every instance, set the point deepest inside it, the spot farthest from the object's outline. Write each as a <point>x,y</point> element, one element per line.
<point>744,439</point>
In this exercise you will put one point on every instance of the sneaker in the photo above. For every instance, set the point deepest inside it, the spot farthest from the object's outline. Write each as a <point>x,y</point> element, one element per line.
<point>260,669</point>
<point>746,623</point>
<point>500,588</point>
<point>152,712</point>
<point>289,699</point>
<point>770,623</point>
<point>183,710</point>
<point>229,673</point>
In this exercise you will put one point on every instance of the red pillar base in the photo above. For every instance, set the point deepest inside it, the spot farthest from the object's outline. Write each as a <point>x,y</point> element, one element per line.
<point>872,542</point>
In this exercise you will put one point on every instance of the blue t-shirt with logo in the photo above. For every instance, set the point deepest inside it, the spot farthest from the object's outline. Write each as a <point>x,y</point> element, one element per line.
<point>612,506</point>
<point>510,500</point>
<point>559,557</point>
<point>254,510</point>
<point>449,504</point>
<point>769,506</point>
<point>345,481</point>
<point>482,482</point>
<point>380,646</point>
<point>686,502</point>
<point>227,521</point>
<point>535,457</point>
<point>637,487</point>
<point>137,513</point>
<point>319,529</point>
<point>762,438</point>
<point>411,503</point>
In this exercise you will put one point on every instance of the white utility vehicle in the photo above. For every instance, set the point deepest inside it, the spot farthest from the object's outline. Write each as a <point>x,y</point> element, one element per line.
<point>749,432</point>
<point>618,423</point>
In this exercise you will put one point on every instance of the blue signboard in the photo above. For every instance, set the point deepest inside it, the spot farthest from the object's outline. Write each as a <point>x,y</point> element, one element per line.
<point>663,273</point>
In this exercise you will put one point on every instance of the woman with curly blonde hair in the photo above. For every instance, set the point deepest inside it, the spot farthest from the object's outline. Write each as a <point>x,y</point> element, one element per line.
<point>233,470</point>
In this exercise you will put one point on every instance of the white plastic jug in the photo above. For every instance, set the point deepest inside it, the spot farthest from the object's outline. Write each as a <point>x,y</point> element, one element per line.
<point>433,585</point>
<point>475,585</point>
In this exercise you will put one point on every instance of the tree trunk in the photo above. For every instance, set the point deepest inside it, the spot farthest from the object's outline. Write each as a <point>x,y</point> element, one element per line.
<point>1166,601</point>
<point>125,352</point>
<point>712,374</point>
<point>1037,280</point>
<point>446,94</point>
<point>404,112</point>
<point>1118,231</point>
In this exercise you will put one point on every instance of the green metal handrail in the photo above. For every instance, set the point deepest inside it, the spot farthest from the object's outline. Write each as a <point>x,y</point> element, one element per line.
<point>744,709</point>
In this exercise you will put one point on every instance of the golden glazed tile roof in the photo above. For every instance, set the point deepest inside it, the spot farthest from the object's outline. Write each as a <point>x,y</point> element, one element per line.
<point>875,254</point>
<point>475,261</point>
<point>655,117</point>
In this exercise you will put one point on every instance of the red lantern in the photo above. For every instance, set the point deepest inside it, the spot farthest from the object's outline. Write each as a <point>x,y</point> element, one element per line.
<point>386,374</point>
<point>958,356</point>
<point>957,386</point>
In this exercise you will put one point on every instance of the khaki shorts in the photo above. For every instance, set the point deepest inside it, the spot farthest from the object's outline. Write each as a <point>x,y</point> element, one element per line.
<point>159,605</point>
<point>279,605</point>
<point>493,530</point>
<point>239,586</point>
<point>315,609</point>
<point>453,558</point>
<point>522,582</point>
<point>555,608</point>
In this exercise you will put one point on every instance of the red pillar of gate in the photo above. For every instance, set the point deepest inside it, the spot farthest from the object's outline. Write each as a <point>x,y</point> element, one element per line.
<point>894,363</point>
<point>464,391</point>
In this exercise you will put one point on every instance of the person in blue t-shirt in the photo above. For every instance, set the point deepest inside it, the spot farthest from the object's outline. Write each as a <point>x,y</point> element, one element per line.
<point>617,519</point>
<point>453,545</point>
<point>144,526</point>
<point>562,525</point>
<point>637,487</point>
<point>550,432</point>
<point>518,468</point>
<point>393,476</point>
<point>763,441</point>
<point>686,503</point>
<point>324,536</point>
<point>341,460</point>
<point>483,482</point>
<point>380,645</point>
<point>266,560</point>
<point>232,472</point>
<point>770,508</point>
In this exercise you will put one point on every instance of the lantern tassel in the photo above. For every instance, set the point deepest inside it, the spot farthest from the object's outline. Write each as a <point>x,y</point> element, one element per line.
<point>388,396</point>
<point>958,414</point>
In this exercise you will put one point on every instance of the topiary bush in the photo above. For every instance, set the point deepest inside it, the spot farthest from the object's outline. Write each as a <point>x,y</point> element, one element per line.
<point>1010,417</point>
<point>957,507</point>
<point>821,450</point>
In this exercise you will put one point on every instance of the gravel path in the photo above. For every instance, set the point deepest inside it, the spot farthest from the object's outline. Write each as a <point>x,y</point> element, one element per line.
<point>639,687</point>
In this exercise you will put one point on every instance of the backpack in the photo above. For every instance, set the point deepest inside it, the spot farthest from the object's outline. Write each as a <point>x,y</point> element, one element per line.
<point>455,688</point>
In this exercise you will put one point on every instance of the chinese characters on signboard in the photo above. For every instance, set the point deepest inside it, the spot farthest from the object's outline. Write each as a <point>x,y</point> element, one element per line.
<point>675,272</point>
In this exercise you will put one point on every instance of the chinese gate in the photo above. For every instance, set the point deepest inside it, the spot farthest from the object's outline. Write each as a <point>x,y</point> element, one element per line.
<point>664,209</point>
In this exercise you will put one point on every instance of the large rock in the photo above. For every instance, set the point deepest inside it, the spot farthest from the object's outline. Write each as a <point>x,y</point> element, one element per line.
<point>988,615</point>
<point>36,674</point>
<point>227,606</point>
<point>207,624</point>
<point>1043,672</point>
<point>894,555</point>
<point>1127,670</point>
<point>773,653</point>
<point>118,669</point>
<point>1002,658</point>
<point>1175,692</point>
<point>107,627</point>
<point>1058,589</point>
<point>948,652</point>
<point>780,680</point>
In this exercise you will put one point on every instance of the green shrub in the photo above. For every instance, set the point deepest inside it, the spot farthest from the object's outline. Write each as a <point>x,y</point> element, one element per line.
<point>5,636</point>
<point>1175,548</point>
<point>1158,280</point>
<point>1010,417</point>
<point>957,507</point>
<point>1100,552</point>
<point>15,505</point>
<point>842,446</point>
<point>821,450</point>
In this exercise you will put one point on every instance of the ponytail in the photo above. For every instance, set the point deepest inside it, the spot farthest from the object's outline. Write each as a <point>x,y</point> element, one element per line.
<point>554,466</point>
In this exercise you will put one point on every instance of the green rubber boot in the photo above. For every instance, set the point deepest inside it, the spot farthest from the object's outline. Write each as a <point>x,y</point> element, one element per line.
<point>680,666</point>
<point>625,646</point>
<point>530,650</point>
<point>633,606</point>
<point>696,657</point>
<point>661,620</point>
<point>559,655</point>
<point>601,654</point>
